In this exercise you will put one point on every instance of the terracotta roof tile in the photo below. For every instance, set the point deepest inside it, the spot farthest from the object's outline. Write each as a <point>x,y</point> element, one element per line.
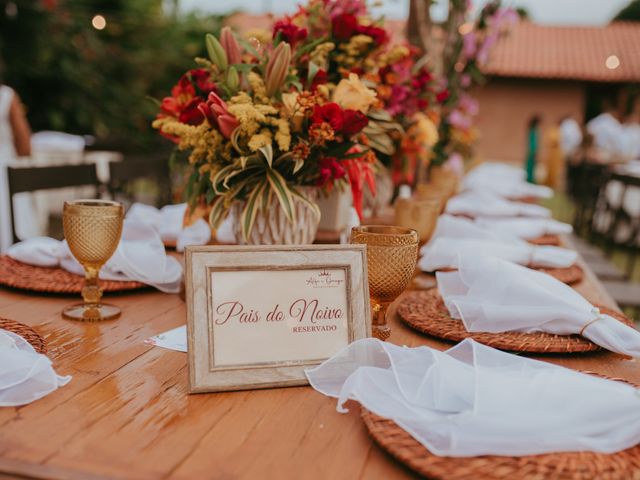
<point>572,53</point>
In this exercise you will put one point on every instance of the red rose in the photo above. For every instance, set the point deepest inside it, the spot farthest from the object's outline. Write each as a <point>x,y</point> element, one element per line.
<point>330,113</point>
<point>378,34</point>
<point>202,80</point>
<point>353,122</point>
<point>344,26</point>
<point>289,32</point>
<point>190,114</point>
<point>442,96</point>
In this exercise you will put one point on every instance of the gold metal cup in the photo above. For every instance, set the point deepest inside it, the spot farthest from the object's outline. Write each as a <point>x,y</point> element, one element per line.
<point>92,229</point>
<point>420,215</point>
<point>392,253</point>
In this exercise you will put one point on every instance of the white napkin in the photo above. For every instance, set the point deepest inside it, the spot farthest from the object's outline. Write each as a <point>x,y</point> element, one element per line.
<point>225,233</point>
<point>527,228</point>
<point>449,226</point>
<point>140,256</point>
<point>498,170</point>
<point>491,295</point>
<point>483,203</point>
<point>168,222</point>
<point>445,252</point>
<point>25,375</point>
<point>505,187</point>
<point>473,400</point>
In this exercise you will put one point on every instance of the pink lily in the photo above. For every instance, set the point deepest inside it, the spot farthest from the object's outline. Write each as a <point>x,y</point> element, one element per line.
<point>216,112</point>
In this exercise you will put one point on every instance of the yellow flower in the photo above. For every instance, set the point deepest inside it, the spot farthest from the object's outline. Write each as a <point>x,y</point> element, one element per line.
<point>353,94</point>
<point>260,139</point>
<point>424,130</point>
<point>320,54</point>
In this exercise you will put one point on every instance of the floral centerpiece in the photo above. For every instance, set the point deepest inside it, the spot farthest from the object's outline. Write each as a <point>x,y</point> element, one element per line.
<point>261,132</point>
<point>408,93</point>
<point>469,47</point>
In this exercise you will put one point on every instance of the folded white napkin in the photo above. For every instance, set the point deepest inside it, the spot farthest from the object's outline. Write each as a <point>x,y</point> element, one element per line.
<point>225,233</point>
<point>491,295</point>
<point>140,256</point>
<point>168,222</point>
<point>25,375</point>
<point>527,228</point>
<point>473,400</point>
<point>498,170</point>
<point>445,252</point>
<point>483,203</point>
<point>449,226</point>
<point>505,187</point>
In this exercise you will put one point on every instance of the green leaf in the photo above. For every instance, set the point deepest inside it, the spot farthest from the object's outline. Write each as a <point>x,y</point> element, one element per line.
<point>283,194</point>
<point>349,156</point>
<point>218,212</point>
<point>248,47</point>
<point>209,196</point>
<point>298,165</point>
<point>313,71</point>
<point>267,151</point>
<point>154,100</point>
<point>251,209</point>
<point>309,47</point>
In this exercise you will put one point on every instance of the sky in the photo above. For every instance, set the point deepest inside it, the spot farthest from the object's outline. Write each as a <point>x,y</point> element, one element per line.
<point>550,12</point>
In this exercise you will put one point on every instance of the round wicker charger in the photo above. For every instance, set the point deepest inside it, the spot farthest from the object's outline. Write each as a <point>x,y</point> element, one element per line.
<point>551,240</point>
<point>426,312</point>
<point>52,280</point>
<point>403,447</point>
<point>26,332</point>
<point>568,275</point>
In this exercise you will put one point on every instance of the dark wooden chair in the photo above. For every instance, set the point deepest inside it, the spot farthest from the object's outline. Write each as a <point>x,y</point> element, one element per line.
<point>589,179</point>
<point>136,167</point>
<point>32,179</point>
<point>623,236</point>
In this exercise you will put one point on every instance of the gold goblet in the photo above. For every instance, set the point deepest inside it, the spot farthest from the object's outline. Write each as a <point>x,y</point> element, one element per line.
<point>392,253</point>
<point>418,214</point>
<point>92,229</point>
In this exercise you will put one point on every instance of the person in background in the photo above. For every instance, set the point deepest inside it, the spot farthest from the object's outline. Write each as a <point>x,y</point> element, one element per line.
<point>15,141</point>
<point>532,147</point>
<point>606,131</point>
<point>554,159</point>
<point>570,136</point>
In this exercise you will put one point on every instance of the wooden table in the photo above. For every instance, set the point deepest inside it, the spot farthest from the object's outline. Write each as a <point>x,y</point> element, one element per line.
<point>127,414</point>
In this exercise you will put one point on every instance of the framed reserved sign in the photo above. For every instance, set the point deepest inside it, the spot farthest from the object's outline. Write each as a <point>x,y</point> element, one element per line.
<point>257,316</point>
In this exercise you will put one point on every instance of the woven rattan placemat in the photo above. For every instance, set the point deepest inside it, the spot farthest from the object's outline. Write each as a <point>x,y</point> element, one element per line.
<point>26,332</point>
<point>425,312</point>
<point>403,447</point>
<point>568,275</point>
<point>552,240</point>
<point>52,280</point>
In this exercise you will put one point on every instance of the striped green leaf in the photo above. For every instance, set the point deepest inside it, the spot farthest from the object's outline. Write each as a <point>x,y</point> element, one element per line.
<point>283,194</point>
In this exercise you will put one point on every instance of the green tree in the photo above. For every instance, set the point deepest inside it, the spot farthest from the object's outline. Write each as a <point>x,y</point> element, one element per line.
<point>630,13</point>
<point>81,79</point>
